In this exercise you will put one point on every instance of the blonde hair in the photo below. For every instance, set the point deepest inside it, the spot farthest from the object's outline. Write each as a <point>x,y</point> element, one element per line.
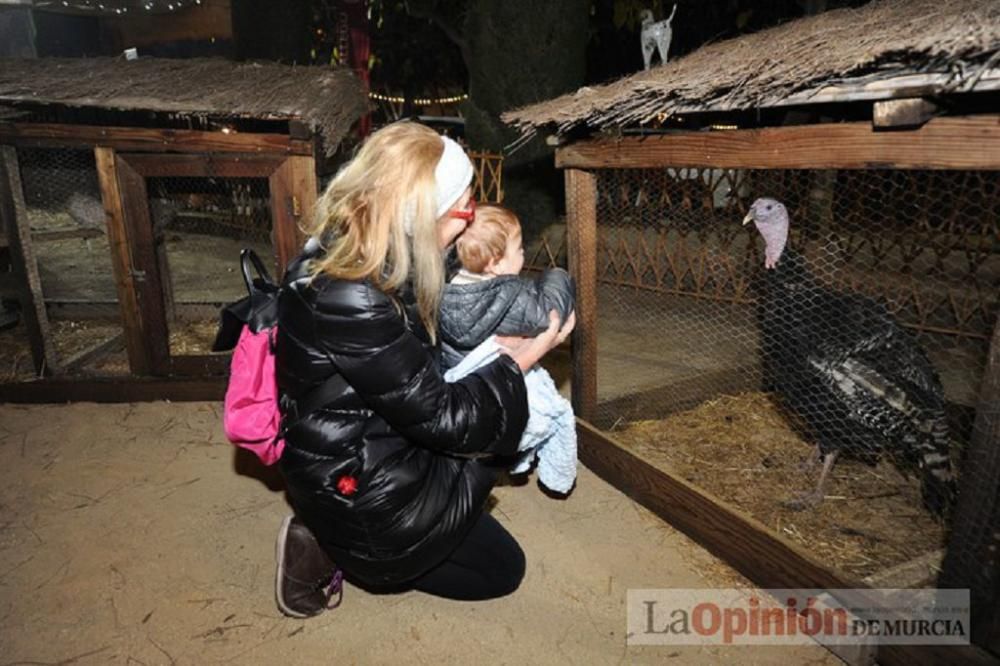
<point>360,217</point>
<point>486,238</point>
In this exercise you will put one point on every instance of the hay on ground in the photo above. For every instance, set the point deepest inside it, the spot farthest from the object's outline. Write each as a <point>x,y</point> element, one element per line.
<point>742,449</point>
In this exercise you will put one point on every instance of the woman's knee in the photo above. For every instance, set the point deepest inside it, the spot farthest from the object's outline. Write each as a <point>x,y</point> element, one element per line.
<point>511,565</point>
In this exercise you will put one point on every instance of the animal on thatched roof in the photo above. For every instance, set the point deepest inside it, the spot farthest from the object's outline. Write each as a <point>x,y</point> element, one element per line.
<point>655,36</point>
<point>857,381</point>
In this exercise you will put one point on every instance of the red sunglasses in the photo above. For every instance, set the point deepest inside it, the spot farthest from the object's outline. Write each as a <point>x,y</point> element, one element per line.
<point>468,214</point>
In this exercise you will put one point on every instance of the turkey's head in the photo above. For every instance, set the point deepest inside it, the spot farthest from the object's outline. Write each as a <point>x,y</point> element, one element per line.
<point>771,219</point>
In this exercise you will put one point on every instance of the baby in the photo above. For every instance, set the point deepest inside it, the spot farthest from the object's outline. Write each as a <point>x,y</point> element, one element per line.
<point>486,298</point>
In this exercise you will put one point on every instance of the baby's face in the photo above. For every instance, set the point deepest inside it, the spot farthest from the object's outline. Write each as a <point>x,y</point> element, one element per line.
<point>513,259</point>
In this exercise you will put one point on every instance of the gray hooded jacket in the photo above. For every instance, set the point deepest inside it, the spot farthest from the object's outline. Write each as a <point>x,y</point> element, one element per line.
<point>504,305</point>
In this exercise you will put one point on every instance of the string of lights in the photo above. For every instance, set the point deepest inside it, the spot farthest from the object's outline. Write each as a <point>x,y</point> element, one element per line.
<point>114,7</point>
<point>419,101</point>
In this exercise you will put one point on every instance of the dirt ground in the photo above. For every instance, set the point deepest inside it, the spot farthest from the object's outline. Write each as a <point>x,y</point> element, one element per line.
<point>133,534</point>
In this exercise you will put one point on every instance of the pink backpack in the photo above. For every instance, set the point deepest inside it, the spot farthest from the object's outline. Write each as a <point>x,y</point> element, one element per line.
<point>253,406</point>
<point>251,416</point>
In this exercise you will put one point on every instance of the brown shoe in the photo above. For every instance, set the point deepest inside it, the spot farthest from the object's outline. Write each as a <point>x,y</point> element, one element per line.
<point>307,579</point>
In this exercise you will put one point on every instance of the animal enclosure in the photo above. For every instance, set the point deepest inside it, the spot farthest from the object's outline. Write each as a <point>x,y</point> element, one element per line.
<point>197,226</point>
<point>854,317</point>
<point>710,379</point>
<point>124,215</point>
<point>139,295</point>
<point>680,374</point>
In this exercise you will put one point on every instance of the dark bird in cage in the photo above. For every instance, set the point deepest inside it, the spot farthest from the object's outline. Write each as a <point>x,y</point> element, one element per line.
<point>839,362</point>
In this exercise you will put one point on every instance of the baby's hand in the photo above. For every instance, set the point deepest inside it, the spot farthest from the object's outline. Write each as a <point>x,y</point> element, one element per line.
<point>529,351</point>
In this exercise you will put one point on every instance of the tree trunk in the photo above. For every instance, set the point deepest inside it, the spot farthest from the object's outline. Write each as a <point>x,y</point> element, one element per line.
<point>521,52</point>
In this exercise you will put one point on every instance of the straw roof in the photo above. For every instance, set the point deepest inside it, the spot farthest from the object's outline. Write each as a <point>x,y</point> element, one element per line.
<point>953,41</point>
<point>327,100</point>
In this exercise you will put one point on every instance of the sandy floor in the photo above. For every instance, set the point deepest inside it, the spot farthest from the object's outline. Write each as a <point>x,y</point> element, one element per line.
<point>132,534</point>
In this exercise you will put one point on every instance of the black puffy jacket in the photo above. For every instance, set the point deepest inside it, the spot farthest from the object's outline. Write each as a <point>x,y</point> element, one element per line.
<point>391,425</point>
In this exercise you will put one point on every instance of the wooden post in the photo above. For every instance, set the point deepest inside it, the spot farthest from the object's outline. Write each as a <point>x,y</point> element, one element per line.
<point>14,218</point>
<point>121,259</point>
<point>581,234</point>
<point>133,258</point>
<point>973,560</point>
<point>293,199</point>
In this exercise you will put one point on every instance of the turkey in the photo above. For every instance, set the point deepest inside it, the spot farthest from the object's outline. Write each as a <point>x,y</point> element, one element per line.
<point>838,361</point>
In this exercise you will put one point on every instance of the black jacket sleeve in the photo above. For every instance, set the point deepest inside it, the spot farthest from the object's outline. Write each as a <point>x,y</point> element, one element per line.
<point>390,369</point>
<point>529,313</point>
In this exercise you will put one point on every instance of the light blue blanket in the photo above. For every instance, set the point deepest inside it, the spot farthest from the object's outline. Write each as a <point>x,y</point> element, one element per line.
<point>551,431</point>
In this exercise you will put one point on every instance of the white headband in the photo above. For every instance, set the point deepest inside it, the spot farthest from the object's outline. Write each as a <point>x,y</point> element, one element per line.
<point>453,173</point>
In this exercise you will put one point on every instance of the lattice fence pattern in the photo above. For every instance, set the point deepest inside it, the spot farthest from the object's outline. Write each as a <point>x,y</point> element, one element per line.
<point>487,184</point>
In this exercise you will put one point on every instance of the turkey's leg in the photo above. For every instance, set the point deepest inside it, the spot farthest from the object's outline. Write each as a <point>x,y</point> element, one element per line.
<point>813,499</point>
<point>809,463</point>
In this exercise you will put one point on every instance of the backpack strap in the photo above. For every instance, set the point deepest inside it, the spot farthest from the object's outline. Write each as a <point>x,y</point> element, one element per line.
<point>296,409</point>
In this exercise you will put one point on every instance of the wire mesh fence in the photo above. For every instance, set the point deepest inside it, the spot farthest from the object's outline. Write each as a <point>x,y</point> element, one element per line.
<point>831,396</point>
<point>199,227</point>
<point>68,240</point>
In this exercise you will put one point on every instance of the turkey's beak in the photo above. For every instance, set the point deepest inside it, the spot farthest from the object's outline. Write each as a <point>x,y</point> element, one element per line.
<point>748,219</point>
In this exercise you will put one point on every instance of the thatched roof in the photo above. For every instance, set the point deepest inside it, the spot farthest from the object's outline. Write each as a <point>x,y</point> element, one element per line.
<point>327,100</point>
<point>948,43</point>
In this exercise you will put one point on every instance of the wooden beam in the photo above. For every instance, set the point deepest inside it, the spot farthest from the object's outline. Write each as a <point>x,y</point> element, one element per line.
<point>94,352</point>
<point>24,265</point>
<point>869,88</point>
<point>202,365</point>
<point>83,233</point>
<point>117,389</point>
<point>149,139</point>
<point>121,261</point>
<point>581,238</point>
<point>204,166</point>
<point>293,200</point>
<point>766,558</point>
<point>943,143</point>
<point>145,327</point>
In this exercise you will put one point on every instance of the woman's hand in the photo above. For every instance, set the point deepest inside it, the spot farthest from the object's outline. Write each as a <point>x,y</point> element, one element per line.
<point>526,352</point>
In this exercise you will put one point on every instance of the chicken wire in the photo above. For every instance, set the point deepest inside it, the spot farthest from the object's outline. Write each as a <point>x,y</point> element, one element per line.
<point>200,225</point>
<point>692,374</point>
<point>68,238</point>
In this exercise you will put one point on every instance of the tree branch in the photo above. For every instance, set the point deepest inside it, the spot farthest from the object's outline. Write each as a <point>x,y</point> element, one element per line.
<point>450,32</point>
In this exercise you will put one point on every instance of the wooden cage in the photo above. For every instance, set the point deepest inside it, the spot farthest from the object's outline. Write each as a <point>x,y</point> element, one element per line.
<point>888,161</point>
<point>598,257</point>
<point>126,158</point>
<point>124,215</point>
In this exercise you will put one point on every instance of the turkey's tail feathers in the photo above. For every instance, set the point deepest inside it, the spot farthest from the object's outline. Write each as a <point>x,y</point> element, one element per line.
<point>937,474</point>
